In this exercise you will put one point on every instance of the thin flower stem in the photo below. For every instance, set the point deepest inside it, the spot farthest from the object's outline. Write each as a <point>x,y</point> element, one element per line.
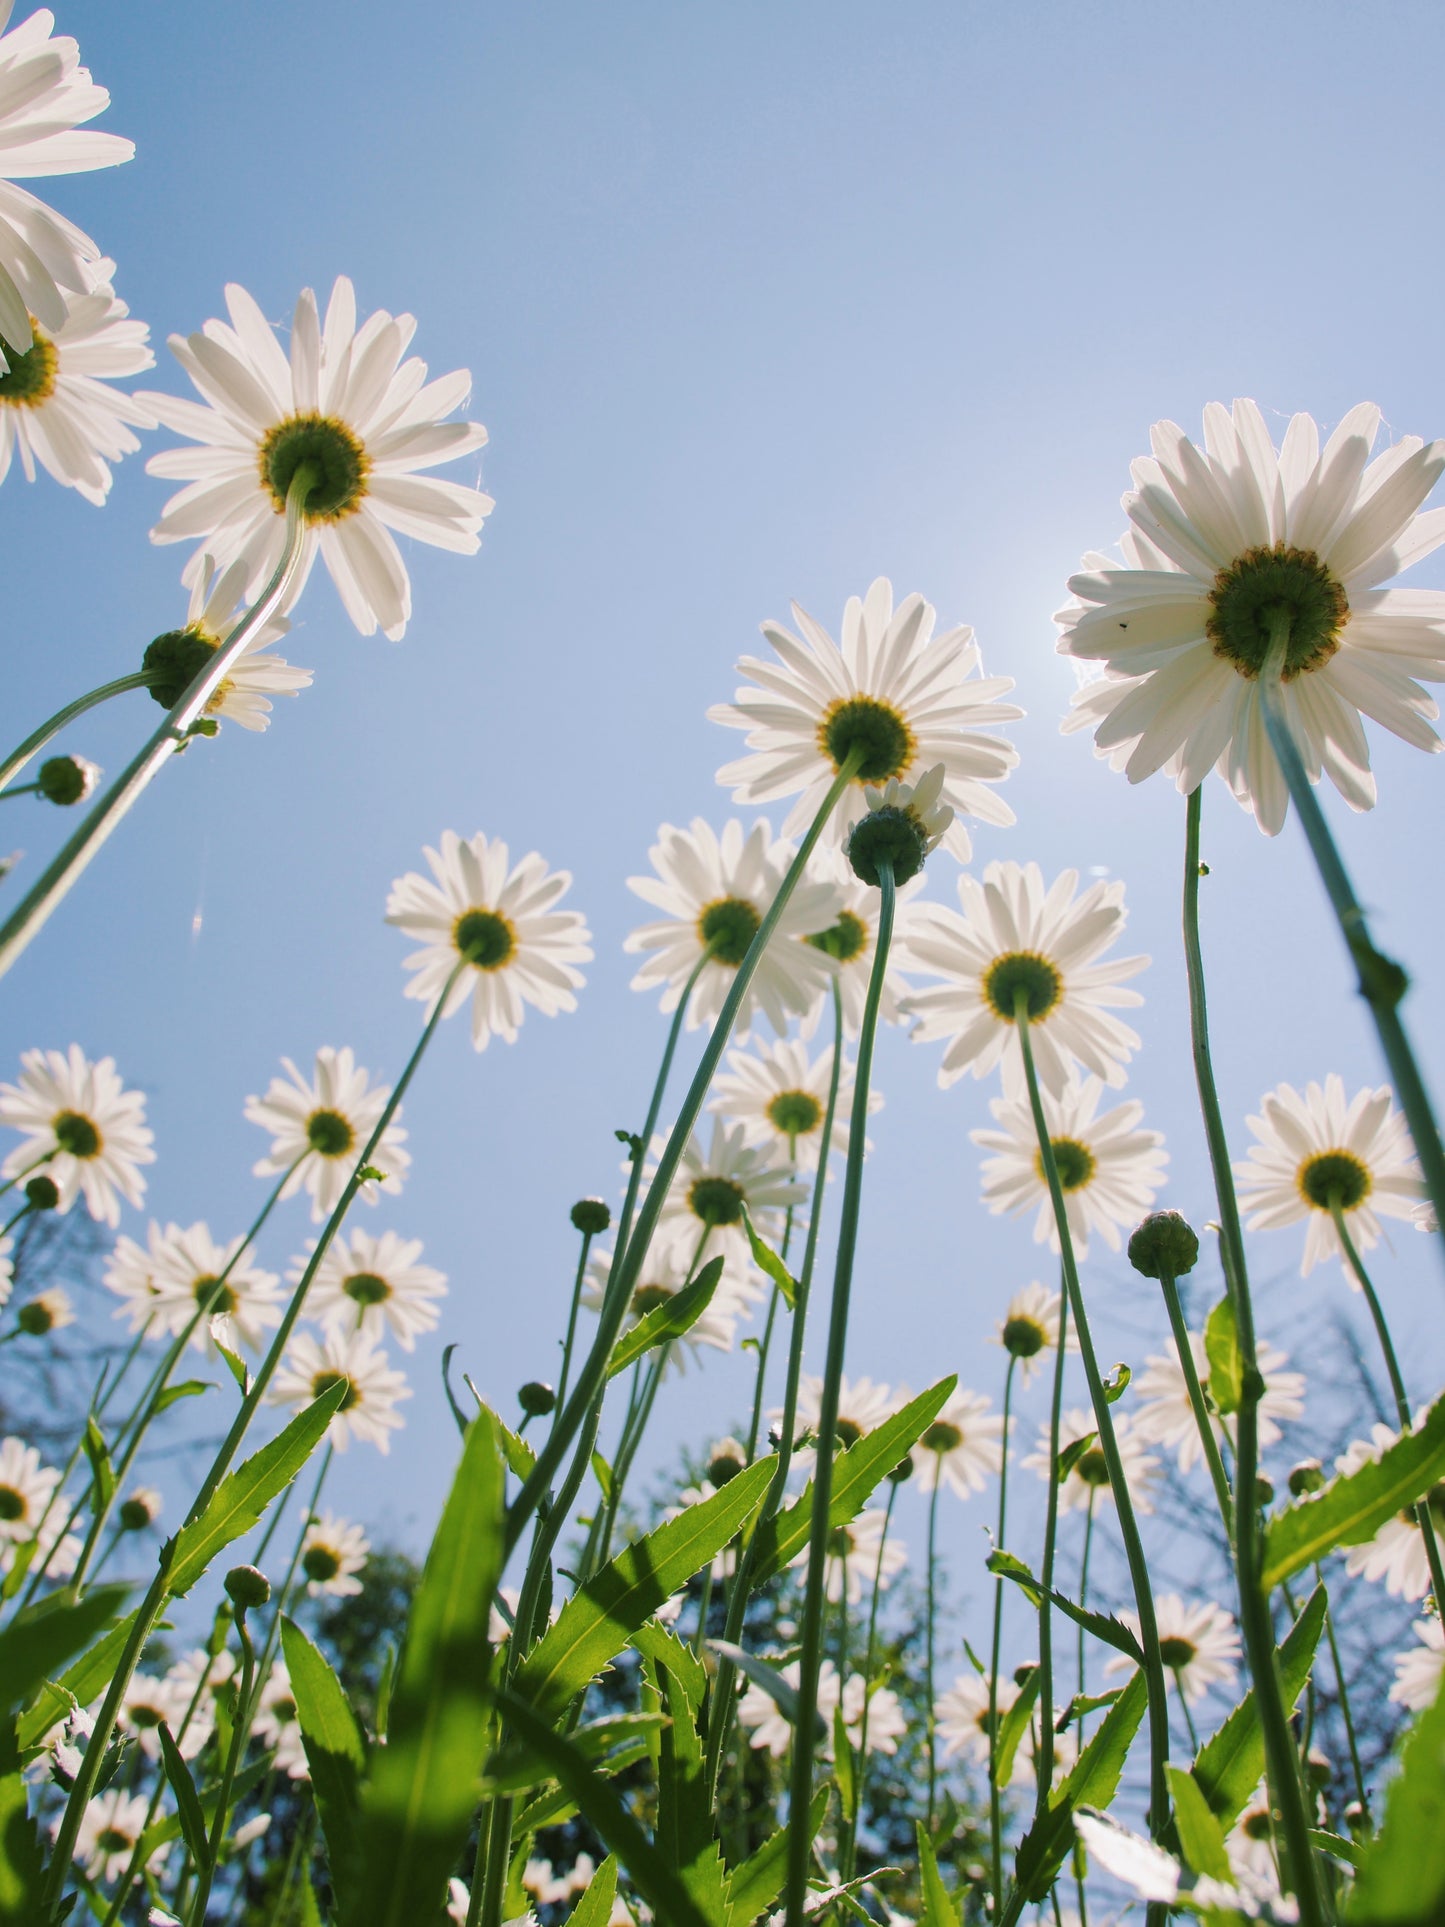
<point>10,1223</point>
<point>64,871</point>
<point>932,1725</point>
<point>1202,1417</point>
<point>1084,1598</point>
<point>34,743</point>
<point>1397,1386</point>
<point>1254,1614</point>
<point>572,1323</point>
<point>755,1424</point>
<point>1044,1774</point>
<point>1345,1714</point>
<point>1188,1717</point>
<point>995,1801</point>
<point>283,1591</point>
<point>207,1873</point>
<point>1382,981</point>
<point>20,789</point>
<point>848,1849</point>
<point>804,1738</point>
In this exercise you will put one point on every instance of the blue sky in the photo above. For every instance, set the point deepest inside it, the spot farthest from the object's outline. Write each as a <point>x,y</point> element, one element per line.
<point>759,303</point>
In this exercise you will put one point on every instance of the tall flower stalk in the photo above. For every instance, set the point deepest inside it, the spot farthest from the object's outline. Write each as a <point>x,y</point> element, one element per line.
<point>995,1795</point>
<point>36,741</point>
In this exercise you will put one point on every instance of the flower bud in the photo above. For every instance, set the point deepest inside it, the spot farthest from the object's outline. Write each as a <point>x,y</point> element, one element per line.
<point>591,1215</point>
<point>142,1508</point>
<point>1357,1817</point>
<point>1164,1246</point>
<point>1319,1769</point>
<point>1263,1491</point>
<point>42,1193</point>
<point>67,779</point>
<point>1308,1476</point>
<point>247,1586</point>
<point>536,1399</point>
<point>725,1461</point>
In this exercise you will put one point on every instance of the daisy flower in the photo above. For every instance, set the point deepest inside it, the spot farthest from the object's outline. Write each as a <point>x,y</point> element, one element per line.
<point>1199,1645</point>
<point>1164,1415</point>
<point>45,97</point>
<point>82,1127</point>
<point>1396,1554</point>
<point>851,940</point>
<point>7,1269</point>
<point>1109,1169</point>
<point>963,1448</point>
<point>175,659</point>
<point>1088,1478</point>
<point>318,1130</point>
<point>109,1830</point>
<point>162,1288</point>
<point>374,1285</point>
<point>1314,1147</point>
<point>863,1405</point>
<point>502,920</point>
<point>1221,539</point>
<point>277,1726</point>
<point>1250,1841</point>
<point>216,1669</point>
<point>348,406</point>
<point>854,1557</point>
<point>907,698</point>
<point>47,1311</point>
<point>780,1098</point>
<point>665,1272</point>
<point>140,1508</point>
<point>148,1700</point>
<point>703,1210</point>
<point>714,892</point>
<point>332,1553</point>
<point>1418,1670</point>
<point>1014,936</point>
<point>26,1488</point>
<point>1030,1327</point>
<point>368,1411</point>
<point>961,1721</point>
<point>771,1731</point>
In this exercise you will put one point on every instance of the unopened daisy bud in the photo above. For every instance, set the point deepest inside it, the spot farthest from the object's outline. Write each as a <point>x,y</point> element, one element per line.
<point>42,1193</point>
<point>47,1312</point>
<point>67,779</point>
<point>1308,1476</point>
<point>141,1509</point>
<point>536,1398</point>
<point>1263,1491</point>
<point>247,1586</point>
<point>903,1471</point>
<point>591,1215</point>
<point>725,1461</point>
<point>905,822</point>
<point>1319,1769</point>
<point>1357,1817</point>
<point>1164,1246</point>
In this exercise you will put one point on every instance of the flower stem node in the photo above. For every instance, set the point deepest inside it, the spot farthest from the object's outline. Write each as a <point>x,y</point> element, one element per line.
<point>536,1398</point>
<point>1306,1477</point>
<point>67,779</point>
<point>247,1586</point>
<point>591,1215</point>
<point>905,822</point>
<point>1164,1246</point>
<point>42,1193</point>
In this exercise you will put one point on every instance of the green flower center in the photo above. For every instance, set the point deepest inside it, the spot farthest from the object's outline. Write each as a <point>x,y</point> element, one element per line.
<point>847,1432</point>
<point>723,1469</point>
<point>174,660</point>
<point>942,1437</point>
<point>224,1300</point>
<point>840,1542</point>
<point>1262,584</point>
<point>329,1134</point>
<point>320,1563</point>
<point>1176,1652</point>
<point>366,1288</point>
<point>1092,1467</point>
<point>12,1504</point>
<point>113,1840</point>
<point>284,1709</point>
<point>717,1201</point>
<point>1074,1162</point>
<point>146,1718</point>
<point>1022,970</point>
<point>795,1113</point>
<point>1024,1337</point>
<point>323,1382</point>
<point>862,722</point>
<point>845,940</point>
<point>1256,1825</point>
<point>1333,1174</point>
<point>485,938</point>
<point>727,927</point>
<point>31,377</point>
<point>647,1298</point>
<point>338,462</point>
<point>76,1134</point>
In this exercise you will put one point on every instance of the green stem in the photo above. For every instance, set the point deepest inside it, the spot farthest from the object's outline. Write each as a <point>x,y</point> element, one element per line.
<point>995,1802</point>
<point>1202,1417</point>
<point>207,1873</point>
<point>1044,1752</point>
<point>33,744</point>
<point>932,1724</point>
<point>572,1323</point>
<point>848,1848</point>
<point>1084,1598</point>
<point>800,1846</point>
<point>20,789</point>
<point>1350,1740</point>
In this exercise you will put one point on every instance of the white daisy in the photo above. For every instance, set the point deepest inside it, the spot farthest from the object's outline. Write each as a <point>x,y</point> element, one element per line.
<point>852,942</point>
<point>109,1829</point>
<point>1418,1670</point>
<point>665,1271</point>
<point>522,950</point>
<point>1223,538</point>
<point>45,97</point>
<point>1199,1645</point>
<point>1315,1146</point>
<point>277,1726</point>
<point>1250,1841</point>
<point>768,1729</point>
<point>374,1285</point>
<point>1030,1327</point>
<point>321,1128</point>
<point>1109,1169</point>
<point>332,1553</point>
<point>853,1557</point>
<point>48,1311</point>
<point>368,1411</point>
<point>216,1669</point>
<point>82,1127</point>
<point>57,1552</point>
<point>176,658</point>
<point>1164,1415</point>
<point>1012,937</point>
<point>1396,1554</point>
<point>7,1269</point>
<point>163,1288</point>
<point>26,1487</point>
<point>703,1210</point>
<point>714,892</point>
<point>961,1723</point>
<point>780,1097</point>
<point>1423,1216</point>
<point>148,1700</point>
<point>909,698</point>
<point>963,1447</point>
<point>140,1508</point>
<point>1088,1479</point>
<point>863,1405</point>
<point>347,404</point>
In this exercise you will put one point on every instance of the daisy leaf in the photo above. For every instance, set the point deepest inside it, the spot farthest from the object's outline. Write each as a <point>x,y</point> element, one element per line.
<point>594,1909</point>
<point>43,1636</point>
<point>1113,1632</point>
<point>1229,1765</point>
<point>938,1908</point>
<point>1402,1881</point>
<point>668,1321</point>
<point>1200,1834</point>
<point>754,1886</point>
<point>336,1755</point>
<point>1221,1348</point>
<point>1014,1725</point>
<point>767,1260</point>
<point>1093,1782</point>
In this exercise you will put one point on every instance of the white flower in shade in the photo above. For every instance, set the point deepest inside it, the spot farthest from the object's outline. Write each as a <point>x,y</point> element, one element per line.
<point>368,1410</point>
<point>1396,1554</point>
<point>1314,1147</point>
<point>863,1405</point>
<point>961,1717</point>
<point>665,1271</point>
<point>162,1288</point>
<point>178,657</point>
<point>47,1311</point>
<point>26,1487</point>
<point>963,1447</point>
<point>1164,1415</point>
<point>374,1285</point>
<point>702,1213</point>
<point>1088,1479</point>
<point>7,1269</point>
<point>1014,937</point>
<point>907,698</point>
<point>216,1669</point>
<point>320,1128</point>
<point>109,1831</point>
<point>277,1726</point>
<point>503,920</point>
<point>1199,1645</point>
<point>45,98</point>
<point>57,1551</point>
<point>714,891</point>
<point>57,407</point>
<point>347,405</point>
<point>82,1128</point>
<point>852,942</point>
<point>1221,539</point>
<point>545,1886</point>
<point>1423,1216</point>
<point>1250,1841</point>
<point>1419,1669</point>
<point>1030,1327</point>
<point>768,1729</point>
<point>140,1508</point>
<point>857,1554</point>
<point>780,1097</point>
<point>332,1553</point>
<point>148,1700</point>
<point>1109,1169</point>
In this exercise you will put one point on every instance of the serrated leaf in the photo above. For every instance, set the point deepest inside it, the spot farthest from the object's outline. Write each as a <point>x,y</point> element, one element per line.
<point>843,1774</point>
<point>1230,1764</point>
<point>768,1261</point>
<point>602,1472</point>
<point>938,1908</point>
<point>40,1638</point>
<point>1093,1782</point>
<point>753,1887</point>
<point>521,1459</point>
<point>1226,1363</point>
<point>1349,1851</point>
<point>771,1681</point>
<point>22,1864</point>
<point>512,1769</point>
<point>1072,1453</point>
<point>1200,1835</point>
<point>188,1805</point>
<point>1104,1626</point>
<point>102,1472</point>
<point>1117,1383</point>
<point>1082,1704</point>
<point>594,1909</point>
<point>668,1321</point>
<point>1013,1726</point>
<point>684,1830</point>
<point>1401,1882</point>
<point>86,1680</point>
<point>234,1363</point>
<point>336,1756</point>
<point>188,1388</point>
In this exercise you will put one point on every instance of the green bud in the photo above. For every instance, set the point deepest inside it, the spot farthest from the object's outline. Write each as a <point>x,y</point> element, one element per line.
<point>1308,1476</point>
<point>888,835</point>
<point>247,1586</point>
<point>42,1193</point>
<point>903,1470</point>
<point>67,779</point>
<point>536,1399</point>
<point>1164,1246</point>
<point>591,1215</point>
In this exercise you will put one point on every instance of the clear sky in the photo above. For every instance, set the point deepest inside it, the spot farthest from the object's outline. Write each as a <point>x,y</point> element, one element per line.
<point>759,303</point>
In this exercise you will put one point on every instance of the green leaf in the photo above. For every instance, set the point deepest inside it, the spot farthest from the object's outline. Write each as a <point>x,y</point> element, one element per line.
<point>1200,1834</point>
<point>423,1784</point>
<point>1082,1704</point>
<point>1117,1383</point>
<point>596,1623</point>
<point>40,1638</point>
<point>684,1830</point>
<point>86,1680</point>
<point>843,1774</point>
<point>1226,1362</point>
<point>188,1388</point>
<point>520,1457</point>
<point>336,1756</point>
<point>1072,1453</point>
<point>1339,1849</point>
<point>1014,1725</point>
<point>188,1805</point>
<point>1093,1782</point>
<point>1352,1508</point>
<point>235,1365</point>
<point>667,1321</point>
<point>938,1908</point>
<point>1231,1763</point>
<point>856,1473</point>
<point>383,1688</point>
<point>1402,1880</point>
<point>22,1865</point>
<point>753,1887</point>
<point>602,1472</point>
<point>767,1260</point>
<point>1104,1626</point>
<point>102,1472</point>
<point>243,1495</point>
<point>594,1909</point>
<point>783,1696</point>
<point>512,1769</point>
